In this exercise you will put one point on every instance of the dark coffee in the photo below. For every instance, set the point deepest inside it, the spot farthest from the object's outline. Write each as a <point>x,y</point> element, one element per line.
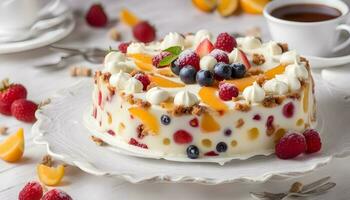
<point>306,12</point>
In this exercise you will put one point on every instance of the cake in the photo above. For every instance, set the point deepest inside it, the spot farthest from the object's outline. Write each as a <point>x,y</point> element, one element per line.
<point>191,96</point>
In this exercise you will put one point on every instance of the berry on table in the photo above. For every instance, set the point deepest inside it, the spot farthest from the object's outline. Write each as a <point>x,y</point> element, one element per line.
<point>225,42</point>
<point>290,146</point>
<point>143,78</point>
<point>96,16</point>
<point>157,58</point>
<point>188,57</point>
<point>123,46</point>
<point>227,91</point>
<point>144,32</point>
<point>188,74</point>
<point>238,70</point>
<point>165,119</point>
<point>313,141</point>
<point>222,71</point>
<point>31,191</point>
<point>220,55</point>
<point>56,194</point>
<point>204,48</point>
<point>192,152</point>
<point>24,110</point>
<point>221,147</point>
<point>175,68</point>
<point>182,137</point>
<point>9,94</point>
<point>205,78</point>
<point>288,110</point>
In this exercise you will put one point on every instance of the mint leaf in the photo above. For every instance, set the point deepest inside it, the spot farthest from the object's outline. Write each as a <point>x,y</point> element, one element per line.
<point>176,50</point>
<point>167,60</point>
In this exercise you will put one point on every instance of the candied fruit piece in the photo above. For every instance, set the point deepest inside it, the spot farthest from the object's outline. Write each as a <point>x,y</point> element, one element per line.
<point>253,133</point>
<point>209,124</point>
<point>300,122</point>
<point>306,98</point>
<point>209,97</point>
<point>149,120</point>
<point>50,176</point>
<point>163,82</point>
<point>279,134</point>
<point>234,143</point>
<point>11,150</point>
<point>206,142</point>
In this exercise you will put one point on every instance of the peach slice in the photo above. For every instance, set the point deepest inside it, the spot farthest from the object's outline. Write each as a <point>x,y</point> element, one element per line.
<point>147,118</point>
<point>205,5</point>
<point>163,82</point>
<point>306,98</point>
<point>50,176</point>
<point>165,72</point>
<point>209,124</point>
<point>143,66</point>
<point>271,73</point>
<point>209,97</point>
<point>242,83</point>
<point>141,57</point>
<point>127,17</point>
<point>12,149</point>
<point>253,6</point>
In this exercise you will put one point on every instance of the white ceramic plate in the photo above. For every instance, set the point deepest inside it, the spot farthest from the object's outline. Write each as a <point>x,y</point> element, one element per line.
<point>60,127</point>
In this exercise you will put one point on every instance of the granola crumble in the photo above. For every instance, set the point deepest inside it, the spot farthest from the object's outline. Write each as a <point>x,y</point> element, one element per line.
<point>141,131</point>
<point>242,107</point>
<point>198,110</point>
<point>258,59</point>
<point>47,160</point>
<point>239,123</point>
<point>254,71</point>
<point>272,101</point>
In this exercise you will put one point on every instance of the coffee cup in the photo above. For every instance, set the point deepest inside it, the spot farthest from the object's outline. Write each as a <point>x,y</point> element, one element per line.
<point>22,14</point>
<point>319,36</point>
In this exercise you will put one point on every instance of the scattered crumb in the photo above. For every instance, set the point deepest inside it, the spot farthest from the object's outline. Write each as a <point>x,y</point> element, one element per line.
<point>80,71</point>
<point>3,130</point>
<point>47,160</point>
<point>114,34</point>
<point>98,141</point>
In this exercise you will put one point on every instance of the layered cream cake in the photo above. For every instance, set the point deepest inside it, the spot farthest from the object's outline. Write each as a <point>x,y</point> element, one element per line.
<point>194,96</point>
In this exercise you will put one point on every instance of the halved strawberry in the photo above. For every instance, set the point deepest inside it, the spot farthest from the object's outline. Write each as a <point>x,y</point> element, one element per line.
<point>204,48</point>
<point>244,59</point>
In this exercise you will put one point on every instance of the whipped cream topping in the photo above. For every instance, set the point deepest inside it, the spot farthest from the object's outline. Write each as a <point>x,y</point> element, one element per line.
<point>189,40</point>
<point>207,62</point>
<point>133,86</point>
<point>234,57</point>
<point>297,70</point>
<point>115,62</point>
<point>136,48</point>
<point>292,81</point>
<point>186,99</point>
<point>200,36</point>
<point>275,86</point>
<point>157,95</point>
<point>119,80</point>
<point>290,57</point>
<point>249,42</point>
<point>172,39</point>
<point>273,48</point>
<point>114,67</point>
<point>254,93</point>
<point>114,56</point>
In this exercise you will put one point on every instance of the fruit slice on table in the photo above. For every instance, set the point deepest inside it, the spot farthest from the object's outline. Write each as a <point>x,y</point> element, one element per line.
<point>209,97</point>
<point>163,82</point>
<point>11,150</point>
<point>205,5</point>
<point>141,57</point>
<point>128,18</point>
<point>148,119</point>
<point>50,176</point>
<point>253,6</point>
<point>227,7</point>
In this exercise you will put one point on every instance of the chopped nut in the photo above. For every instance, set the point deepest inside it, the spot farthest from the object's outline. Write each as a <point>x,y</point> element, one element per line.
<point>242,107</point>
<point>143,104</point>
<point>98,141</point>
<point>239,123</point>
<point>135,71</point>
<point>258,59</point>
<point>121,127</point>
<point>141,131</point>
<point>106,76</point>
<point>296,187</point>
<point>254,71</point>
<point>114,34</point>
<point>181,110</point>
<point>272,101</point>
<point>80,71</point>
<point>261,79</point>
<point>284,47</point>
<point>3,130</point>
<point>47,160</point>
<point>198,110</point>
<point>130,99</point>
<point>253,31</point>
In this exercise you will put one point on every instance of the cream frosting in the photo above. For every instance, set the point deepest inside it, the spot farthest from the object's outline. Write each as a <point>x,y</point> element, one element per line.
<point>273,48</point>
<point>114,67</point>
<point>157,95</point>
<point>254,93</point>
<point>114,56</point>
<point>135,47</point>
<point>189,39</point>
<point>185,98</point>
<point>275,86</point>
<point>119,80</point>
<point>133,86</point>
<point>207,62</point>
<point>292,81</point>
<point>297,70</point>
<point>234,57</point>
<point>172,39</point>
<point>200,36</point>
<point>290,57</point>
<point>249,42</point>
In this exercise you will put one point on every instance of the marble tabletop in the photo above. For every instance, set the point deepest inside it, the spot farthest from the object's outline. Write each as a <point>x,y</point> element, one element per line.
<point>166,16</point>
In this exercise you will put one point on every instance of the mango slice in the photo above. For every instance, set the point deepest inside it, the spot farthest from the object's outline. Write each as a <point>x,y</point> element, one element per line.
<point>163,82</point>
<point>141,57</point>
<point>271,73</point>
<point>209,97</point>
<point>50,176</point>
<point>165,72</point>
<point>143,66</point>
<point>147,118</point>
<point>12,149</point>
<point>209,124</point>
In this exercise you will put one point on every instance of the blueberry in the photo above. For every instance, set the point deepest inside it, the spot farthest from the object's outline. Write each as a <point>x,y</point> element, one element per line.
<point>188,74</point>
<point>192,152</point>
<point>175,68</point>
<point>238,70</point>
<point>165,119</point>
<point>222,71</point>
<point>205,78</point>
<point>221,147</point>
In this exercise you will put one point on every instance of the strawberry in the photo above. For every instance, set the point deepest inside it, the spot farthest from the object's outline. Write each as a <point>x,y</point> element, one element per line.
<point>144,32</point>
<point>96,16</point>
<point>31,191</point>
<point>24,110</point>
<point>9,94</point>
<point>244,59</point>
<point>204,48</point>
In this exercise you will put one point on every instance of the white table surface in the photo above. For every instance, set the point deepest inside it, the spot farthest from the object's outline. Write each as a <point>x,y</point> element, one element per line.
<point>167,16</point>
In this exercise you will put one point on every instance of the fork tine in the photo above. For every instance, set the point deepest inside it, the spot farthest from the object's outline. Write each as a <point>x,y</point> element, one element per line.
<point>317,183</point>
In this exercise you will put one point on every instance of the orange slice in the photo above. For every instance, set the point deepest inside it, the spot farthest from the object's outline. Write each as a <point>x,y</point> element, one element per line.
<point>141,57</point>
<point>271,73</point>
<point>127,17</point>
<point>227,7</point>
<point>163,82</point>
<point>143,66</point>
<point>12,149</point>
<point>205,5</point>
<point>148,119</point>
<point>253,6</point>
<point>50,176</point>
<point>242,83</point>
<point>209,124</point>
<point>165,72</point>
<point>209,97</point>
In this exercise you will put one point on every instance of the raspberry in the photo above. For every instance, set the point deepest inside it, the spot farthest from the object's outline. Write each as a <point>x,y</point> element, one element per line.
<point>182,137</point>
<point>188,57</point>
<point>156,59</point>
<point>290,146</point>
<point>194,122</point>
<point>96,16</point>
<point>227,91</point>
<point>211,153</point>
<point>220,56</point>
<point>256,117</point>
<point>24,110</point>
<point>225,42</point>
<point>288,110</point>
<point>134,142</point>
<point>31,191</point>
<point>122,47</point>
<point>143,78</point>
<point>144,32</point>
<point>9,94</point>
<point>313,141</point>
<point>56,194</point>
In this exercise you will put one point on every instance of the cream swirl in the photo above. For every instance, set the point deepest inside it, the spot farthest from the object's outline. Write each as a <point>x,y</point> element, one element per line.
<point>292,81</point>
<point>200,36</point>
<point>275,86</point>
<point>136,48</point>
<point>250,42</point>
<point>172,39</point>
<point>114,56</point>
<point>297,70</point>
<point>157,95</point>
<point>186,99</point>
<point>234,57</point>
<point>207,62</point>
<point>133,86</point>
<point>273,48</point>
<point>119,80</point>
<point>289,57</point>
<point>254,93</point>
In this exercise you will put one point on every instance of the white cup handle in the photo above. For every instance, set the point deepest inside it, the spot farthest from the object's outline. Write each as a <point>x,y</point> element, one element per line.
<point>346,43</point>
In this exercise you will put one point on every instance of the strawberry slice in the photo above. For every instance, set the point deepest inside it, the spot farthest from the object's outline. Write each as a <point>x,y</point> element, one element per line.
<point>204,48</point>
<point>244,59</point>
